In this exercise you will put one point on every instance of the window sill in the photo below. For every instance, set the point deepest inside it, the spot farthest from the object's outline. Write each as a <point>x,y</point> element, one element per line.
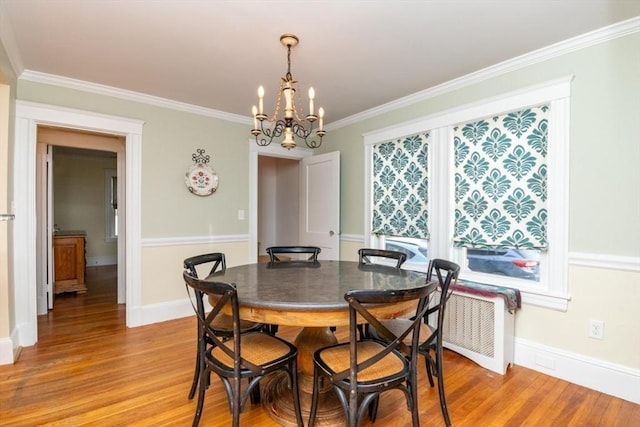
<point>554,302</point>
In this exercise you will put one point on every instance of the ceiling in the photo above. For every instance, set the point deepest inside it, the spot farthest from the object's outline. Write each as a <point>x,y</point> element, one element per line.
<point>356,54</point>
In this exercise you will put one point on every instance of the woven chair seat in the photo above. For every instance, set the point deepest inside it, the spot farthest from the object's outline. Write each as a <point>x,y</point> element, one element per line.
<point>257,348</point>
<point>337,359</point>
<point>223,322</point>
<point>398,325</point>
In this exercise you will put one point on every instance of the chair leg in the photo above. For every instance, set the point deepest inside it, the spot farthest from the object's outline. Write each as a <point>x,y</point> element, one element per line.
<point>196,375</point>
<point>363,330</point>
<point>427,361</point>
<point>314,397</point>
<point>201,392</point>
<point>373,409</point>
<point>413,395</point>
<point>295,391</point>
<point>236,401</point>
<point>441,395</point>
<point>255,394</point>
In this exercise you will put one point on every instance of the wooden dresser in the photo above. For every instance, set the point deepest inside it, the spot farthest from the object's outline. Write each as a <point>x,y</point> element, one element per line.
<point>69,261</point>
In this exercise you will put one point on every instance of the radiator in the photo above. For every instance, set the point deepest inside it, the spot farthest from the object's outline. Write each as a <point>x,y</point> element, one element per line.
<point>480,329</point>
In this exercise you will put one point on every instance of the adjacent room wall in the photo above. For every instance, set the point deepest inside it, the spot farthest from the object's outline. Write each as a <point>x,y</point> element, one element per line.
<point>79,200</point>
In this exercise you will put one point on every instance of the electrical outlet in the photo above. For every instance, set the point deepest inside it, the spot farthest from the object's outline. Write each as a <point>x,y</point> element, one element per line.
<point>596,329</point>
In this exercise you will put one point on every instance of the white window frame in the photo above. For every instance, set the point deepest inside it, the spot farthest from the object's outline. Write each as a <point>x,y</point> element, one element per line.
<point>110,226</point>
<point>552,290</point>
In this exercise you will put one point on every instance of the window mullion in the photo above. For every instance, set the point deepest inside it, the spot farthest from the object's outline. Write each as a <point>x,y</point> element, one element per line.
<point>440,194</point>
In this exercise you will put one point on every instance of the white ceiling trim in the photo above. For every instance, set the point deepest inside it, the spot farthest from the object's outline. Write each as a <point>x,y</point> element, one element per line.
<point>576,43</point>
<point>35,76</point>
<point>571,45</point>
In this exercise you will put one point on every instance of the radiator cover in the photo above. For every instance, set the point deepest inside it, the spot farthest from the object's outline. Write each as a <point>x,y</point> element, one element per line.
<point>479,328</point>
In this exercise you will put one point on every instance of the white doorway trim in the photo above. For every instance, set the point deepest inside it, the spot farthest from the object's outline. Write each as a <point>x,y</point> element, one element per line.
<point>28,117</point>
<point>255,150</point>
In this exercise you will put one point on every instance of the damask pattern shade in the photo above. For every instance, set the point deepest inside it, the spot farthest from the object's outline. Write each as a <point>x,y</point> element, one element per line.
<point>400,183</point>
<point>501,181</point>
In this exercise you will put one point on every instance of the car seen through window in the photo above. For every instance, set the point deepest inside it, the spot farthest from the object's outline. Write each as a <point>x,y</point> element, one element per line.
<point>518,263</point>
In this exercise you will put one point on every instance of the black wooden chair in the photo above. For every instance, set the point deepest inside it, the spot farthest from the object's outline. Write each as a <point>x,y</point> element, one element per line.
<point>368,255</point>
<point>242,356</point>
<point>223,326</point>
<point>274,251</point>
<point>362,369</point>
<point>445,273</point>
<point>311,251</point>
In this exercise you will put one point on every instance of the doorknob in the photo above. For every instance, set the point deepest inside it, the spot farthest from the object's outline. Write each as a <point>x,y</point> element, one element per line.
<point>7,217</point>
<point>331,232</point>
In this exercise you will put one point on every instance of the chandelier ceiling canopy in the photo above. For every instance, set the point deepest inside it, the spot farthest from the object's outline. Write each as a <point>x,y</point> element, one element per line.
<point>288,122</point>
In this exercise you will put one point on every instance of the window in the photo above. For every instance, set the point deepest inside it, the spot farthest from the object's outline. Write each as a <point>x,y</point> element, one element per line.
<point>500,187</point>
<point>399,215</point>
<point>518,237</point>
<point>111,205</point>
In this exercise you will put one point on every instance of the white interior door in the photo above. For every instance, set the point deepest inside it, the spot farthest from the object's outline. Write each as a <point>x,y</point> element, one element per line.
<point>44,272</point>
<point>50,228</point>
<point>320,203</point>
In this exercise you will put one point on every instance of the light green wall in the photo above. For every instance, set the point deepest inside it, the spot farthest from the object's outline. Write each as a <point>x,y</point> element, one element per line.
<point>605,153</point>
<point>169,139</point>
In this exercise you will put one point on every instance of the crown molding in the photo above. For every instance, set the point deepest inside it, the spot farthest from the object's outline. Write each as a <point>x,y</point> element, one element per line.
<point>561,48</point>
<point>35,76</point>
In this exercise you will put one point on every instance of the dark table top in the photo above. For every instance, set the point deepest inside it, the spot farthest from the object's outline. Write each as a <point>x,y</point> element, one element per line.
<point>306,286</point>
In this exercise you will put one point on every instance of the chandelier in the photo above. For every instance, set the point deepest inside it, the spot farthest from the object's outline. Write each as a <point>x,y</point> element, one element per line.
<point>290,124</point>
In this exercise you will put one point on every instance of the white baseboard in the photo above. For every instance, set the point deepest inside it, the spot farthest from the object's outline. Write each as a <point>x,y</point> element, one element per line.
<point>102,260</point>
<point>6,351</point>
<point>164,311</point>
<point>605,377</point>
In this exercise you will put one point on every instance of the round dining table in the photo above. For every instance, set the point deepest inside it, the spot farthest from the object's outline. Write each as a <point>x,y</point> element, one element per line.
<point>310,295</point>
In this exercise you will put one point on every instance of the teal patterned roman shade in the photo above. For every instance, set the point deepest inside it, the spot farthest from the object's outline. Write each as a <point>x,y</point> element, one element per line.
<point>400,185</point>
<point>501,181</point>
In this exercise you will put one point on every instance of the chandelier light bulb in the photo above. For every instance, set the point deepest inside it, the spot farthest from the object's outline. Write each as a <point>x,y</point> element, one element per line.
<point>312,94</point>
<point>260,99</point>
<point>254,112</point>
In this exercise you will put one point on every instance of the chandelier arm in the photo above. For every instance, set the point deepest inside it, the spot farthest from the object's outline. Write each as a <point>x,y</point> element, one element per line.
<point>313,143</point>
<point>301,132</point>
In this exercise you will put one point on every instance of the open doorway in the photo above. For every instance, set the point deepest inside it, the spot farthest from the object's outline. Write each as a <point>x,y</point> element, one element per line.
<point>78,192</point>
<point>29,117</point>
<point>278,203</point>
<point>318,188</point>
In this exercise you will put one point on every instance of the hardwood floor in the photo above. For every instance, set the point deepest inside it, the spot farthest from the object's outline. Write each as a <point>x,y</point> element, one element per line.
<point>88,368</point>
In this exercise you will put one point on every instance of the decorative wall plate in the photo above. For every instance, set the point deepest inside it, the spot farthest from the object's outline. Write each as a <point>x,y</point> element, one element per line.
<point>201,180</point>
